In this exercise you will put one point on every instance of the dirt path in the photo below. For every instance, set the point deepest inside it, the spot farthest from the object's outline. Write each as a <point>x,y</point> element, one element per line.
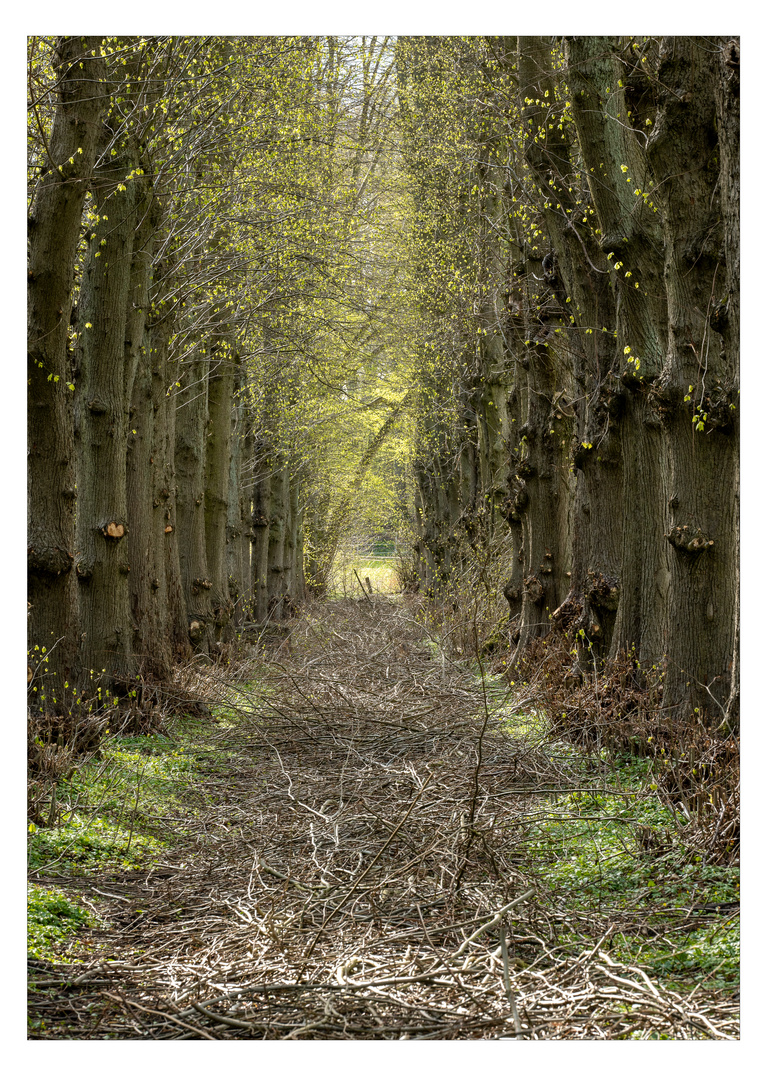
<point>360,872</point>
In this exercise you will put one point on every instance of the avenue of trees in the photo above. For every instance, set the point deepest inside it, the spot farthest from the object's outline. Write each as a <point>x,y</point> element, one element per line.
<point>577,238</point>
<point>466,287</point>
<point>202,324</point>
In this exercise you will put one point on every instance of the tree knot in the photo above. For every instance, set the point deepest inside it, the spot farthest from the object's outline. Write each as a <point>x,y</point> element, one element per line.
<point>687,540</point>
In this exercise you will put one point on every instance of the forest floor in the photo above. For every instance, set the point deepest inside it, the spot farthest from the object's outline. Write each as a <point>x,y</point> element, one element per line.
<point>374,841</point>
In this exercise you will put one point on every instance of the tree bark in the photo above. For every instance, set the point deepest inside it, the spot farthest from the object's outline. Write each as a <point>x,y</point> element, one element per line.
<point>702,435</point>
<point>54,223</point>
<point>217,479</point>
<point>261,510</point>
<point>145,456</point>
<point>725,317</point>
<point>278,514</point>
<point>104,391</point>
<point>190,460</point>
<point>236,530</point>
<point>246,476</point>
<point>170,596</point>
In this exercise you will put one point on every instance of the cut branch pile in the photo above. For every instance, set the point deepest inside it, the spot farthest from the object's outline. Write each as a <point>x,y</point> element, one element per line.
<point>358,872</point>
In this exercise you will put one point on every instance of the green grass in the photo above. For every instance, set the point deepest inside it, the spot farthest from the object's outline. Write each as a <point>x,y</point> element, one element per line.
<point>118,812</point>
<point>110,809</point>
<point>709,955</point>
<point>623,857</point>
<point>380,569</point>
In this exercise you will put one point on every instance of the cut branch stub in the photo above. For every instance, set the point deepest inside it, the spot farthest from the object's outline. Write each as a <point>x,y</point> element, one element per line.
<point>516,501</point>
<point>114,530</point>
<point>687,540</point>
<point>52,561</point>
<point>535,589</point>
<point>602,591</point>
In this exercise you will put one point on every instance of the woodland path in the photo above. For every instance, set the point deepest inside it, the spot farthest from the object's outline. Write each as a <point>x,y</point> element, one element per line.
<point>358,871</point>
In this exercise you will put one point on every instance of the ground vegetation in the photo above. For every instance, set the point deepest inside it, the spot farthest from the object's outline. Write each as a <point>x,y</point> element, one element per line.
<point>383,537</point>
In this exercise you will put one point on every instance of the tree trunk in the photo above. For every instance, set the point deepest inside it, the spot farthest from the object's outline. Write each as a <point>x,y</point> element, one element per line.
<point>104,391</point>
<point>246,477</point>
<point>725,317</point>
<point>702,435</point>
<point>541,468</point>
<point>292,550</point>
<point>177,621</point>
<point>54,224</point>
<point>279,509</point>
<point>235,529</point>
<point>190,461</point>
<point>217,479</point>
<point>170,595</point>
<point>145,448</point>
<point>261,510</point>
<point>655,199</point>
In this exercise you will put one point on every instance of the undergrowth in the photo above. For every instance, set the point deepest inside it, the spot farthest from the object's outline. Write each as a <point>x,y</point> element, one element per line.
<point>617,851</point>
<point>650,844</point>
<point>694,768</point>
<point>623,857</point>
<point>52,918</point>
<point>117,810</point>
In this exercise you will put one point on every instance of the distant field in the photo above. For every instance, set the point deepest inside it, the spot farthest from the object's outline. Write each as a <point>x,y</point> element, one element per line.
<point>381,570</point>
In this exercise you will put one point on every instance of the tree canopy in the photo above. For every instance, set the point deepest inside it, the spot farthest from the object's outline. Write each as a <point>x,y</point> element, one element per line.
<point>463,291</point>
